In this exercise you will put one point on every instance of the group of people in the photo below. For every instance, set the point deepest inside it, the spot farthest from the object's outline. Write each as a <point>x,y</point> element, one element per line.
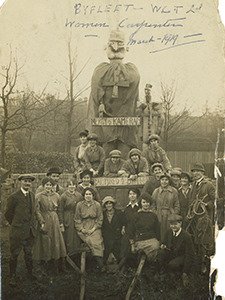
<point>170,219</point>
<point>91,156</point>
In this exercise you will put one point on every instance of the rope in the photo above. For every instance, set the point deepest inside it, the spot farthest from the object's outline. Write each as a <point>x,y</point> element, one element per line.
<point>196,205</point>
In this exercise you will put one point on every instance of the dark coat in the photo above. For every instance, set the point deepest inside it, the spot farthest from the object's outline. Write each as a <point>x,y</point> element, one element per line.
<point>112,231</point>
<point>184,200</point>
<point>20,213</point>
<point>183,247</point>
<point>150,185</point>
<point>205,190</point>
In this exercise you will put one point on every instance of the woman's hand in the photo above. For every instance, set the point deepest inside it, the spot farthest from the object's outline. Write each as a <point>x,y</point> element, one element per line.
<point>62,229</point>
<point>133,177</point>
<point>42,229</point>
<point>123,230</point>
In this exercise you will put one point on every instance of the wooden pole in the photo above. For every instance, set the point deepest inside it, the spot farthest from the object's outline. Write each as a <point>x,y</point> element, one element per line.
<point>82,280</point>
<point>73,265</point>
<point>137,274</point>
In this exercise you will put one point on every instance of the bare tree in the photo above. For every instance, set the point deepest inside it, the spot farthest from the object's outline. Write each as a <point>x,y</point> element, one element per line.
<point>174,123</point>
<point>73,97</point>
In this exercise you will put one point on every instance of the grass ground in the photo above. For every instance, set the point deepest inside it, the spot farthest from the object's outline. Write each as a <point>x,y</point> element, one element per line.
<point>98,286</point>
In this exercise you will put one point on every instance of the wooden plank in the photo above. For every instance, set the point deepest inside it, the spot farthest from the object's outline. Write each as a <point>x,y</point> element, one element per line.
<point>73,265</point>
<point>117,121</point>
<point>82,280</point>
<point>137,274</point>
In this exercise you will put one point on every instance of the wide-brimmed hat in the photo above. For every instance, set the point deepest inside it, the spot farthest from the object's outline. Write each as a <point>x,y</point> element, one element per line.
<point>26,176</point>
<point>174,218</point>
<point>115,153</point>
<point>53,170</point>
<point>108,199</point>
<point>186,175</point>
<point>86,172</point>
<point>135,151</point>
<point>156,165</point>
<point>92,136</point>
<point>198,167</point>
<point>153,137</point>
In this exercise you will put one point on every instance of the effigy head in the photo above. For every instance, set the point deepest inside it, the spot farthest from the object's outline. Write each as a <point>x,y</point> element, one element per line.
<point>116,45</point>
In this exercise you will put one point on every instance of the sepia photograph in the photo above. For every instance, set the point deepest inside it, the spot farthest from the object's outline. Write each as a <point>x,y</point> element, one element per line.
<point>112,149</point>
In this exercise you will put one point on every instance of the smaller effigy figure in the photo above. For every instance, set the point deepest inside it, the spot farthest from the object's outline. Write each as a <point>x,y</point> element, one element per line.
<point>113,164</point>
<point>101,110</point>
<point>157,118</point>
<point>136,166</point>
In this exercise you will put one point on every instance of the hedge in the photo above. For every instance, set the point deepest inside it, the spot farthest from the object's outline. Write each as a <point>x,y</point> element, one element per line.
<point>38,162</point>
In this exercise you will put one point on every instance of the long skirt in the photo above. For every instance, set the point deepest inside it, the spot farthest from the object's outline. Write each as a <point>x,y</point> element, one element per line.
<point>94,241</point>
<point>49,245</point>
<point>149,247</point>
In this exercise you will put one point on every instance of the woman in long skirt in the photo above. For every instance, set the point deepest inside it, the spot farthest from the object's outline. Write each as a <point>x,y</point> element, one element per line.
<point>88,222</point>
<point>68,203</point>
<point>49,244</point>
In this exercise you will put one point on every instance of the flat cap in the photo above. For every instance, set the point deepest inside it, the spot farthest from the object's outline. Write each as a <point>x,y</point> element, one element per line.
<point>108,199</point>
<point>198,167</point>
<point>26,176</point>
<point>174,218</point>
<point>115,153</point>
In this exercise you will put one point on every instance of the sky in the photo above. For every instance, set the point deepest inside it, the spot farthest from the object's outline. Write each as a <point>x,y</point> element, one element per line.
<point>36,32</point>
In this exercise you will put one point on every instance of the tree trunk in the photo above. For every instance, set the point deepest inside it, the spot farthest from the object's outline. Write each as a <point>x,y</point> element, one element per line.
<point>3,146</point>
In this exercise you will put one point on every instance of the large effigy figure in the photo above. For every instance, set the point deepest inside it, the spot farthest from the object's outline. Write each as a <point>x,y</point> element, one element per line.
<point>114,93</point>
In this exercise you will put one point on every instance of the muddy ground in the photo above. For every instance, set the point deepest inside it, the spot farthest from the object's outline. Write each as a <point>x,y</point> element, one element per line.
<point>98,286</point>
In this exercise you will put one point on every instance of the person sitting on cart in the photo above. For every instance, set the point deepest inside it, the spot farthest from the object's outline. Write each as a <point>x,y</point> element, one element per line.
<point>113,164</point>
<point>136,166</point>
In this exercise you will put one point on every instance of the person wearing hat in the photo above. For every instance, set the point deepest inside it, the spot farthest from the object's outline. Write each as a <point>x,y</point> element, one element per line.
<point>203,188</point>
<point>53,173</point>
<point>94,156</point>
<point>113,227</point>
<point>136,165</point>
<point>165,202</point>
<point>6,186</point>
<point>87,181</point>
<point>154,180</point>
<point>21,215</point>
<point>79,161</point>
<point>175,174</point>
<point>155,154</point>
<point>184,193</point>
<point>177,250</point>
<point>113,164</point>
<point>144,232</point>
<point>202,197</point>
<point>115,85</point>
<point>67,208</point>
<point>49,246</point>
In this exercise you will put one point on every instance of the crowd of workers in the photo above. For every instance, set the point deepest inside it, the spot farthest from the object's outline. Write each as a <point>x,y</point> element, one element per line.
<point>170,219</point>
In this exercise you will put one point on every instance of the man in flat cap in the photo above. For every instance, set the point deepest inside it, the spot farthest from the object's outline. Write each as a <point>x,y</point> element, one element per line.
<point>177,249</point>
<point>54,173</point>
<point>20,213</point>
<point>201,215</point>
<point>116,86</point>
